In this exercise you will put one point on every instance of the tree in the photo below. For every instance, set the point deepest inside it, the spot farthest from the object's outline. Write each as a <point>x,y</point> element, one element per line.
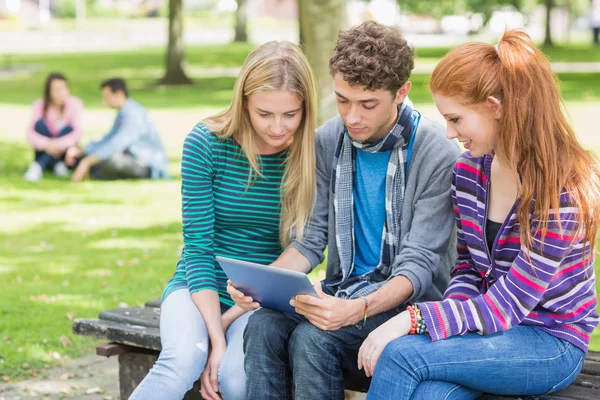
<point>320,23</point>
<point>548,36</point>
<point>175,75</point>
<point>439,8</point>
<point>241,18</point>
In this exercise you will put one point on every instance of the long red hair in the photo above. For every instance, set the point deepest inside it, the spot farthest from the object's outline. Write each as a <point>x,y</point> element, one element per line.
<point>533,134</point>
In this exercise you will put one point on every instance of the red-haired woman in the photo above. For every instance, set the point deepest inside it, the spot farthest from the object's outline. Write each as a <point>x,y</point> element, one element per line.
<point>521,306</point>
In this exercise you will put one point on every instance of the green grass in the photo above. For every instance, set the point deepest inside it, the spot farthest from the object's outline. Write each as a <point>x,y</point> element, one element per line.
<point>73,250</point>
<point>143,68</point>
<point>560,53</point>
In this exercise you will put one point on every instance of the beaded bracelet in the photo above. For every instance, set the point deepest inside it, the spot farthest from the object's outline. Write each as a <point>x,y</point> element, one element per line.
<point>413,320</point>
<point>421,326</point>
<point>364,321</point>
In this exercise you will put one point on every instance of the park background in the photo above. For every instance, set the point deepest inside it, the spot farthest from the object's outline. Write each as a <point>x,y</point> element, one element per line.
<point>72,250</point>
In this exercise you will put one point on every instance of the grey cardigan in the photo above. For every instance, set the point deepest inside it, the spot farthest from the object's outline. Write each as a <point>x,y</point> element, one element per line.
<point>427,250</point>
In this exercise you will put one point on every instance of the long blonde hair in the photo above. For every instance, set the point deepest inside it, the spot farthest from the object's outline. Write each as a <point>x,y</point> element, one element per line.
<point>533,134</point>
<point>277,66</point>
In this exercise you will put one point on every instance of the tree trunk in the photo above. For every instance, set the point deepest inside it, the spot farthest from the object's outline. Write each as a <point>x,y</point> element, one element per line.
<point>569,6</point>
<point>175,74</point>
<point>320,23</point>
<point>301,39</point>
<point>548,38</point>
<point>241,19</point>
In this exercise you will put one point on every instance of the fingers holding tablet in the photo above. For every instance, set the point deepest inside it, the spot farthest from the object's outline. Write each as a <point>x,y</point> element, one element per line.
<point>246,303</point>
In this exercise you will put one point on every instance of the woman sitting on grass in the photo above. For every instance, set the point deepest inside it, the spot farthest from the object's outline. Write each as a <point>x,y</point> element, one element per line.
<point>248,180</point>
<point>55,126</point>
<point>521,306</point>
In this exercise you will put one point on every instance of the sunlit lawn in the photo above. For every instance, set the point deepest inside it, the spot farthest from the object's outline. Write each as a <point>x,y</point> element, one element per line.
<point>69,250</point>
<point>143,68</point>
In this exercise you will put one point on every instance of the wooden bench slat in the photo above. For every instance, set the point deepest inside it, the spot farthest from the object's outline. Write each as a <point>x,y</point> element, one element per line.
<point>139,336</point>
<point>112,349</point>
<point>91,327</point>
<point>133,315</point>
<point>590,366</point>
<point>133,335</point>
<point>589,381</point>
<point>593,356</point>
<point>574,392</point>
<point>153,303</point>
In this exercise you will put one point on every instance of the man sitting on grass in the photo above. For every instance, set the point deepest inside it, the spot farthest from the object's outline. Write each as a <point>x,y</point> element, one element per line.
<point>130,150</point>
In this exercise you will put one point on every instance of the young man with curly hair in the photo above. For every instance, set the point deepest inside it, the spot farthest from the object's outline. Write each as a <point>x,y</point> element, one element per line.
<point>384,210</point>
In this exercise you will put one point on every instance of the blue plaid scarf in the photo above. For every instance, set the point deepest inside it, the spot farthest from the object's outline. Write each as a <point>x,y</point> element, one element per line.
<point>343,200</point>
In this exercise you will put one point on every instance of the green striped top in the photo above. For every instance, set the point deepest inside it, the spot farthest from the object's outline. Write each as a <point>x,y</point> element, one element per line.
<point>222,216</point>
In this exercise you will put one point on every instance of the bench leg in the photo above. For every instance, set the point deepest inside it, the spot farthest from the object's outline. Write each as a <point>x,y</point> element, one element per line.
<point>133,368</point>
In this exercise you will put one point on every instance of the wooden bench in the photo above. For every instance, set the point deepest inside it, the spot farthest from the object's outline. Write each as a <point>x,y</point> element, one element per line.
<point>134,337</point>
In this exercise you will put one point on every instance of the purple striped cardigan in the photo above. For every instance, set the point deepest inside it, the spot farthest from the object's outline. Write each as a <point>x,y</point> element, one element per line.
<point>492,290</point>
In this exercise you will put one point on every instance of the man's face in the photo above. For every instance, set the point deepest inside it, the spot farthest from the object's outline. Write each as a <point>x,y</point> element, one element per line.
<point>112,100</point>
<point>369,115</point>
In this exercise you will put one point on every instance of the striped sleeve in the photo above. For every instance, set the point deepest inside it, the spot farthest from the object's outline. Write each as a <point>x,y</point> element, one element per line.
<point>198,211</point>
<point>465,282</point>
<point>514,295</point>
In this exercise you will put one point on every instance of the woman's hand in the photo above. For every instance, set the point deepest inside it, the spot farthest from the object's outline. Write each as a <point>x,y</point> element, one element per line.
<point>73,153</point>
<point>244,302</point>
<point>373,346</point>
<point>210,377</point>
<point>231,315</point>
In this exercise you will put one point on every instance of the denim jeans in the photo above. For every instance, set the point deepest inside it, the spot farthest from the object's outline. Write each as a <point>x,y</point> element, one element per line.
<point>185,342</point>
<point>282,348</point>
<point>44,159</point>
<point>523,361</point>
<point>120,166</point>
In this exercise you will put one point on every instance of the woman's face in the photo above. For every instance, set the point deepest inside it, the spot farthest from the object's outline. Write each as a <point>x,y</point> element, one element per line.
<point>275,117</point>
<point>474,126</point>
<point>59,91</point>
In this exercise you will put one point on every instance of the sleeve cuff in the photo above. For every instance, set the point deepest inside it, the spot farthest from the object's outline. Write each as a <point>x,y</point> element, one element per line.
<point>311,256</point>
<point>414,280</point>
<point>429,315</point>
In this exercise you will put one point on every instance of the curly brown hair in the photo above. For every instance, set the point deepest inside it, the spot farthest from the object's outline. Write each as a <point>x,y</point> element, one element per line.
<point>373,56</point>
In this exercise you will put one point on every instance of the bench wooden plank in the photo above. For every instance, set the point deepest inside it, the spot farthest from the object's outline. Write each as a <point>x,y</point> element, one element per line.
<point>133,335</point>
<point>574,392</point>
<point>585,387</point>
<point>589,381</point>
<point>133,315</point>
<point>112,349</point>
<point>153,303</point>
<point>590,365</point>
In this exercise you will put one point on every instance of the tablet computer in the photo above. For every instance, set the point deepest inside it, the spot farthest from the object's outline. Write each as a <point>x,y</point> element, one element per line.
<point>271,287</point>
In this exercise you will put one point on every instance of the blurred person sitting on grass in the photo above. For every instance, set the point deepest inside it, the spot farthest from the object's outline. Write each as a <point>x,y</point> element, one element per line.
<point>132,149</point>
<point>55,126</point>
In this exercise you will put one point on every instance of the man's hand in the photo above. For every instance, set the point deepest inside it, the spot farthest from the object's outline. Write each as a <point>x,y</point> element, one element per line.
<point>53,148</point>
<point>73,153</point>
<point>373,346</point>
<point>327,312</point>
<point>82,171</point>
<point>244,302</point>
<point>210,377</point>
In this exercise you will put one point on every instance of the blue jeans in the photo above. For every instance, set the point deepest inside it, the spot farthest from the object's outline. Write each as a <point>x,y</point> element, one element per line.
<point>185,341</point>
<point>523,361</point>
<point>44,159</point>
<point>280,348</point>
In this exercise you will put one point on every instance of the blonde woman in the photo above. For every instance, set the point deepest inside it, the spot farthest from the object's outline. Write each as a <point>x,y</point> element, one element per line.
<point>248,180</point>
